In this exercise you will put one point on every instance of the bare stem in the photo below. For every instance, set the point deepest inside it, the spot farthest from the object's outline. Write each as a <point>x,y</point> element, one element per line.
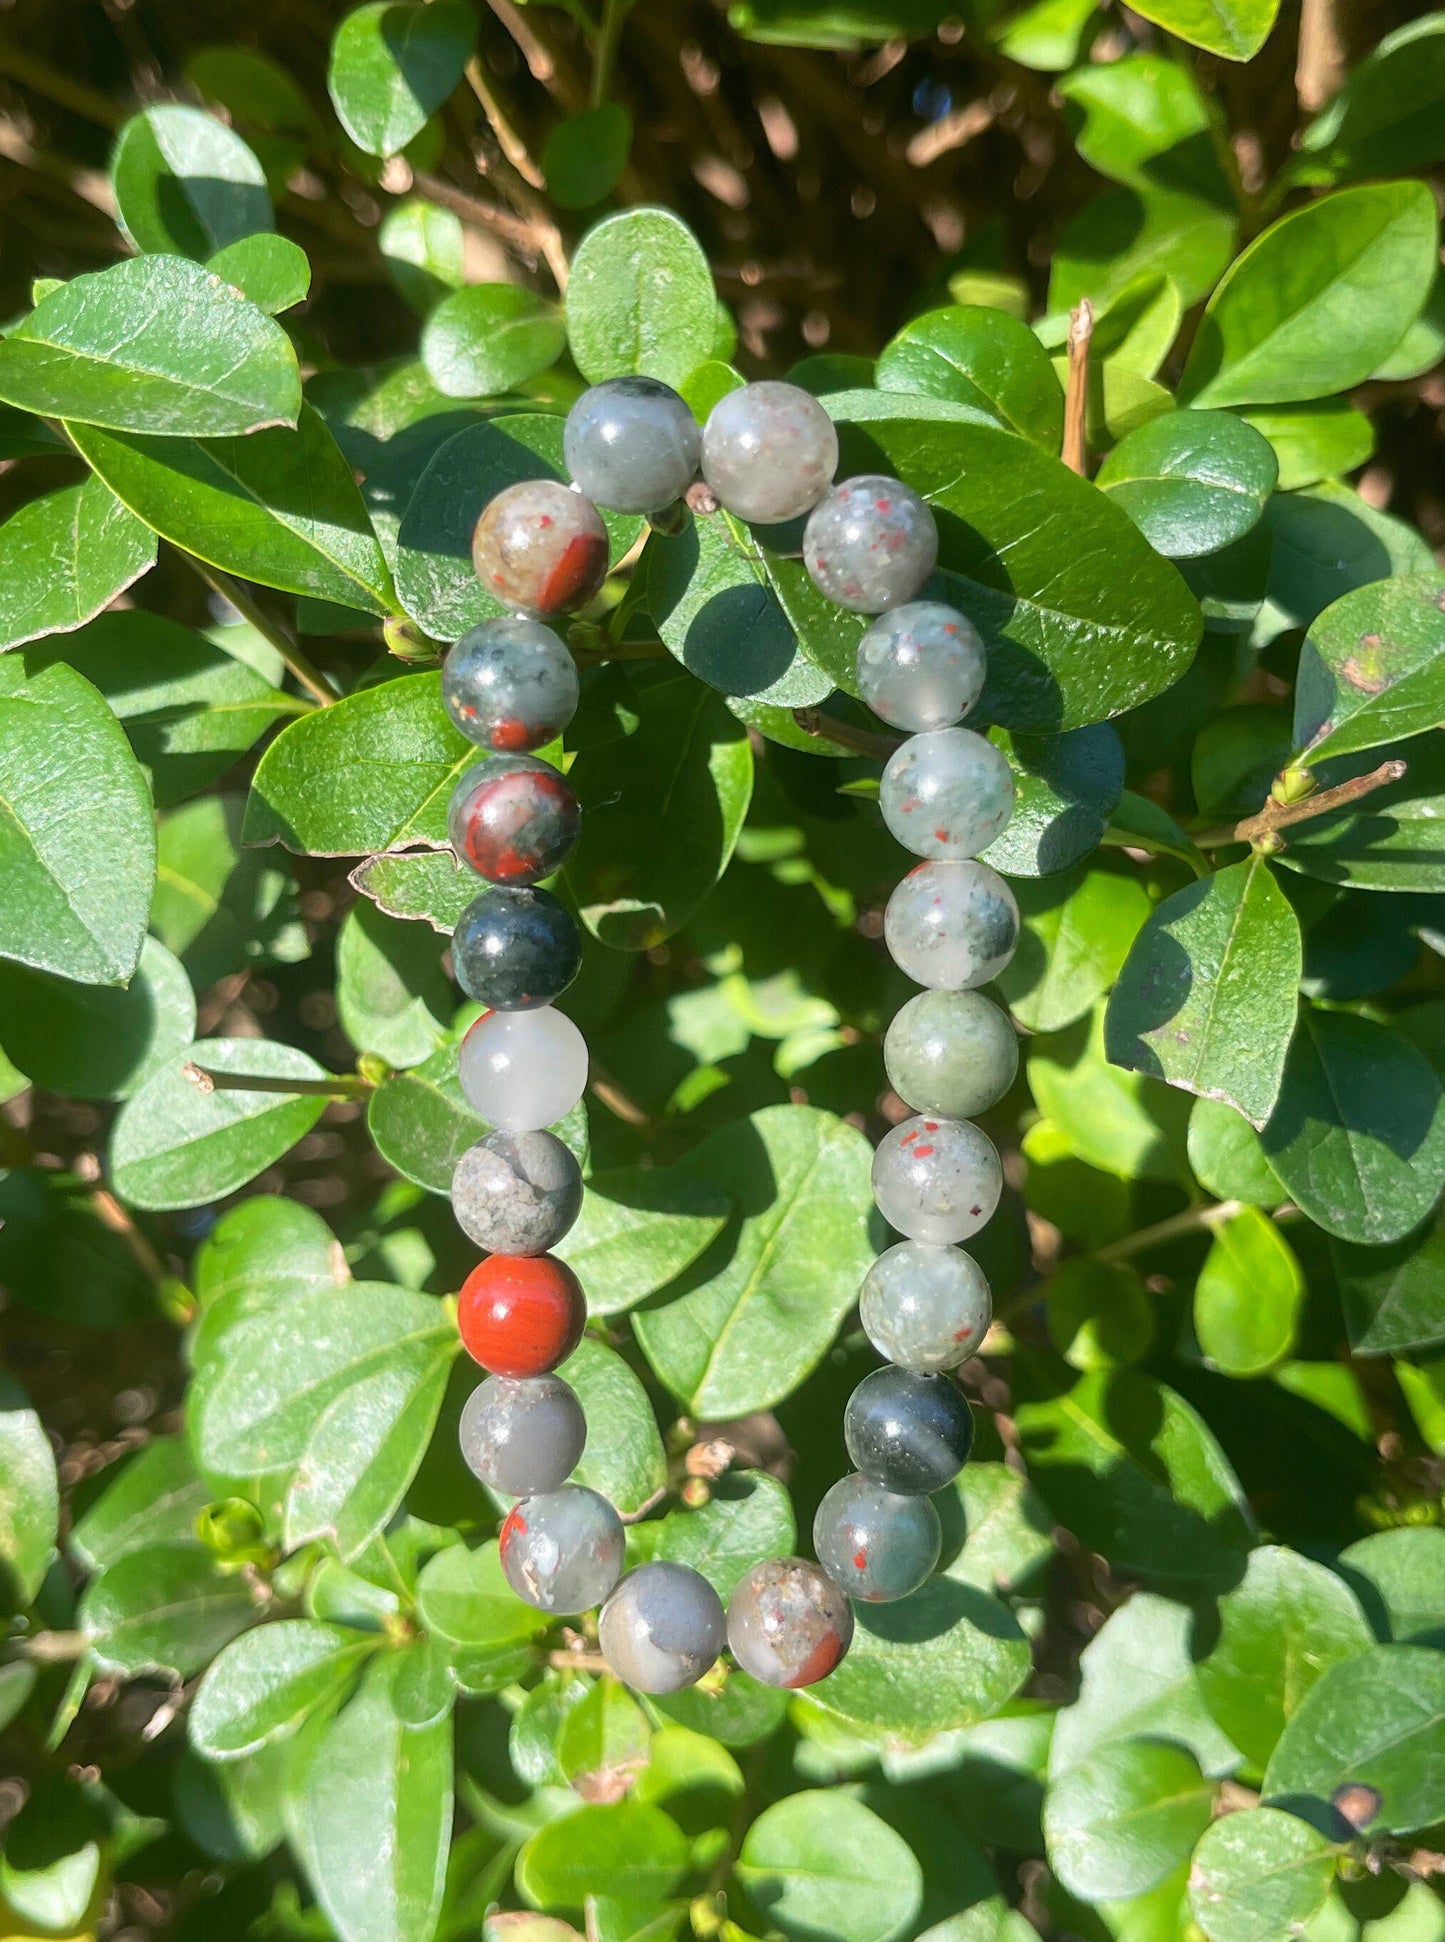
<point>604,57</point>
<point>1193,1220</point>
<point>1281,815</point>
<point>511,143</point>
<point>1076,394</point>
<point>336,1085</point>
<point>862,741</point>
<point>298,662</point>
<point>519,233</point>
<point>54,1648</point>
<point>119,1222</point>
<point>1320,59</point>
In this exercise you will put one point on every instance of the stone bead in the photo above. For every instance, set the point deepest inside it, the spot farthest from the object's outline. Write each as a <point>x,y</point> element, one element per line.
<point>523,1070</point>
<point>951,1053</point>
<point>631,444</point>
<point>541,548</point>
<point>871,544</point>
<point>925,1308</point>
<point>769,452</point>
<point>517,1193</point>
<point>877,1545</point>
<point>516,948</point>
<point>921,666</point>
<point>523,1437</point>
<point>946,793</point>
<point>510,684</point>
<point>662,1628</point>
<point>788,1623</point>
<point>910,1433</point>
<point>513,819</point>
<point>562,1550</point>
<point>951,925</point>
<point>937,1180</point>
<point>520,1316</point>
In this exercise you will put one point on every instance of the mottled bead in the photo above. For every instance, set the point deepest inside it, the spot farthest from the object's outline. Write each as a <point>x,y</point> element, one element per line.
<point>521,1315</point>
<point>516,948</point>
<point>541,548</point>
<point>513,819</point>
<point>788,1623</point>
<point>510,684</point>
<point>910,1433</point>
<point>925,1308</point>
<point>562,1550</point>
<point>951,925</point>
<point>523,1437</point>
<point>631,444</point>
<point>523,1070</point>
<point>921,666</point>
<point>946,793</point>
<point>662,1628</point>
<point>769,452</point>
<point>937,1180</point>
<point>871,544</point>
<point>877,1545</point>
<point>953,1053</point>
<point>517,1193</point>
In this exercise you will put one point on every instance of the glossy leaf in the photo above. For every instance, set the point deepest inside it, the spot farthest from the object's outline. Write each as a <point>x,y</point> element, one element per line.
<point>624,1460</point>
<point>1192,481</point>
<point>164,1608</point>
<point>640,299</point>
<point>1118,1121</point>
<point>1065,789</point>
<point>393,66</point>
<point>1323,439</point>
<point>1392,1296</point>
<point>1324,542</point>
<point>97,1041</point>
<point>1388,842</point>
<point>1372,669</point>
<point>639,1228</point>
<point>748,1517</point>
<point>1144,122</point>
<point>629,1851</point>
<point>1399,1578</point>
<point>1259,1873</point>
<point>270,270</point>
<point>820,1863</point>
<point>29,1499</point>
<point>265,1684</point>
<point>392,996</point>
<point>154,1496</point>
<point>1132,232</point>
<point>488,338</point>
<point>1385,118</point>
<point>1249,1296</point>
<point>1227,1158</point>
<point>978,357</point>
<point>1123,1818</point>
<point>585,155</point>
<point>602,1742</point>
<point>463,1597</point>
<point>423,246</point>
<point>216,905</point>
<point>186,183</point>
<point>64,557</point>
<point>1076,934</point>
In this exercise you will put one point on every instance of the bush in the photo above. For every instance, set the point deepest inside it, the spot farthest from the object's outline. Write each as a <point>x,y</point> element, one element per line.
<point>1157,328</point>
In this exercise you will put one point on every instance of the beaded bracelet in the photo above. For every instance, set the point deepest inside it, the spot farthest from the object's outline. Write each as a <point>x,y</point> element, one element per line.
<point>768,455</point>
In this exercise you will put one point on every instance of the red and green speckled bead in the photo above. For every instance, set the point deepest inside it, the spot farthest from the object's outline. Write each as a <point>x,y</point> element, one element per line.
<point>513,819</point>
<point>788,1623</point>
<point>541,548</point>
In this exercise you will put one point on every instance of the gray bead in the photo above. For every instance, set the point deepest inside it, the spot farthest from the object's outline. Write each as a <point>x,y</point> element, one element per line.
<point>946,793</point>
<point>878,1546</point>
<point>911,1433</point>
<point>937,1180</point>
<point>925,1308</point>
<point>517,1193</point>
<point>510,685</point>
<point>662,1628</point>
<point>871,544</point>
<point>951,1053</point>
<point>921,666</point>
<point>769,452</point>
<point>523,1438</point>
<point>562,1550</point>
<point>951,925</point>
<point>788,1623</point>
<point>631,444</point>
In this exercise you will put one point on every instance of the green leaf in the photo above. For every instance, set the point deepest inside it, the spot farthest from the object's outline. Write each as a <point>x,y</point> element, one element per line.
<point>1130,1468</point>
<point>602,1742</point>
<point>53,1874</point>
<point>424,249</point>
<point>585,154</point>
<point>820,1863</point>
<point>1372,668</point>
<point>1133,232</point>
<point>1120,1122</point>
<point>487,338</point>
<point>280,507</point>
<point>624,1459</point>
<point>154,1497</point>
<point>426,884</point>
<point>1207,998</point>
<point>1259,1873</point>
<point>981,357</point>
<point>75,882</point>
<point>1007,1535</point>
<point>156,345</point>
<point>64,557</point>
<point>1145,124</point>
<point>29,1499</point>
<point>97,1041</point>
<point>748,1517</point>
<point>1317,301</point>
<point>1192,481</point>
<point>1392,1296</point>
<point>1326,541</point>
<point>1125,1817</point>
<point>1368,1743</point>
<point>640,299</point>
<point>186,183</point>
<point>1399,1577</point>
<point>1386,117</point>
<point>174,1145</point>
<point>1227,1158</point>
<point>1320,440</point>
<point>639,1228</point>
<point>665,809</point>
<point>628,1851</point>
<point>217,906</point>
<point>1249,1297</point>
<point>266,1683</point>
<point>232,1812</point>
<point>758,1309</point>
<point>272,271</point>
<point>464,1598</point>
<point>164,1608</point>
<point>1358,1135</point>
<point>1065,789</point>
<point>392,996</point>
<point>1076,934</point>
<point>391,67</point>
<point>1391,841</point>
<point>262,1254</point>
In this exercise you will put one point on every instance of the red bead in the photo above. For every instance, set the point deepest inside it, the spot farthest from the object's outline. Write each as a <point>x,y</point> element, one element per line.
<point>521,1316</point>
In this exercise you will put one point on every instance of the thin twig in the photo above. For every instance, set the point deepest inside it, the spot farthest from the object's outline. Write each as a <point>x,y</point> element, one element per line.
<point>604,54</point>
<point>862,741</point>
<point>515,231</point>
<point>65,92</point>
<point>54,1648</point>
<point>300,665</point>
<point>1281,815</point>
<point>119,1222</point>
<point>566,1661</point>
<point>336,1085</point>
<point>512,145</point>
<point>1076,396</point>
<point>618,1102</point>
<point>1320,60</point>
<point>1191,1221</point>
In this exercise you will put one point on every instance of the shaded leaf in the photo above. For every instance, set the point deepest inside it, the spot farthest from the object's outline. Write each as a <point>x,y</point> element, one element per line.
<point>487,338</point>
<point>29,1498</point>
<point>1259,1873</point>
<point>185,182</point>
<point>822,1864</point>
<point>1123,1818</point>
<point>66,556</point>
<point>391,67</point>
<point>266,1683</point>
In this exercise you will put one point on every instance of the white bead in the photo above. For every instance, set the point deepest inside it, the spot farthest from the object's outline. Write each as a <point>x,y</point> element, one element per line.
<point>523,1070</point>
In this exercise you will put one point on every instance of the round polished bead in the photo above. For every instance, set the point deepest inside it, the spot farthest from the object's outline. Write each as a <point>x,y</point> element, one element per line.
<point>562,1550</point>
<point>952,1053</point>
<point>510,684</point>
<point>921,666</point>
<point>517,1193</point>
<point>523,1070</point>
<point>513,819</point>
<point>925,1308</point>
<point>937,1180</point>
<point>871,544</point>
<point>910,1433</point>
<point>523,1437</point>
<point>877,1545</point>
<point>631,444</point>
<point>946,793</point>
<point>516,948</point>
<point>521,1315</point>
<point>662,1628</point>
<point>788,1623</point>
<point>951,925</point>
<point>769,452</point>
<point>540,548</point>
